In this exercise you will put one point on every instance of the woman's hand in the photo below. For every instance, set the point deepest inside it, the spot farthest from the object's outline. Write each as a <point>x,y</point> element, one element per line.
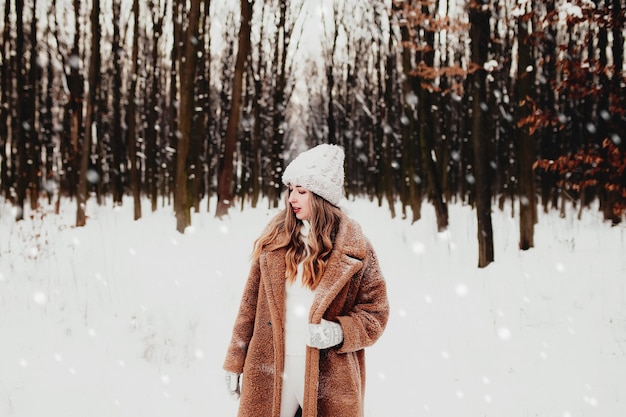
<point>325,335</point>
<point>232,384</point>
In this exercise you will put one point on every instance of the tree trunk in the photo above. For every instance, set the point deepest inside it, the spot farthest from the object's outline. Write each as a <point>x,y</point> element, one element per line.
<point>224,186</point>
<point>5,97</point>
<point>34,148</point>
<point>21,132</point>
<point>258,74</point>
<point>549,148</point>
<point>427,128</point>
<point>256,151</point>
<point>277,147</point>
<point>618,18</point>
<point>94,67</point>
<point>135,184</point>
<point>153,171</point>
<point>168,173</point>
<point>50,175</point>
<point>117,139</point>
<point>409,141</point>
<point>525,139</point>
<point>331,121</point>
<point>187,67</point>
<point>479,22</point>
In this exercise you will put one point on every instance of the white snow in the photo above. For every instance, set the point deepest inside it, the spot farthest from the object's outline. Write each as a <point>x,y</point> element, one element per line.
<point>130,318</point>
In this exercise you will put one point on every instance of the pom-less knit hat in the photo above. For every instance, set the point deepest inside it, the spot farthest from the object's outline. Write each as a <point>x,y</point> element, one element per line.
<point>319,170</point>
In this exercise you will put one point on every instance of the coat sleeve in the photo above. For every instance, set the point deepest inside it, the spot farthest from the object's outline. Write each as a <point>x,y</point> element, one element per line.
<point>367,320</point>
<point>244,323</point>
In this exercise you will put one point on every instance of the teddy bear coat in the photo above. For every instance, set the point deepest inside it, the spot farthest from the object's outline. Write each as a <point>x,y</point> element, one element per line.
<point>352,292</point>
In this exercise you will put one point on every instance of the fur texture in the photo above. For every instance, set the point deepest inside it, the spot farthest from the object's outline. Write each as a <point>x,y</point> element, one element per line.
<point>352,292</point>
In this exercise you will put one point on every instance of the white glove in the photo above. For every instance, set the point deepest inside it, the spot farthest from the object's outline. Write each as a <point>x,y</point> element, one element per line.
<point>232,384</point>
<point>324,335</point>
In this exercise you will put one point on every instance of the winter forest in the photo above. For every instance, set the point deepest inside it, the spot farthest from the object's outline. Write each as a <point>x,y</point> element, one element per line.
<point>497,104</point>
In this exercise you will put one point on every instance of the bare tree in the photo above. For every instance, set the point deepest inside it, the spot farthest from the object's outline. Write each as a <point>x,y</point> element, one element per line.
<point>525,138</point>
<point>224,186</point>
<point>412,190</point>
<point>156,122</point>
<point>427,118</point>
<point>22,131</point>
<point>187,67</point>
<point>419,113</point>
<point>420,23</point>
<point>32,169</point>
<point>93,86</point>
<point>117,139</point>
<point>5,97</point>
<point>480,35</point>
<point>135,184</point>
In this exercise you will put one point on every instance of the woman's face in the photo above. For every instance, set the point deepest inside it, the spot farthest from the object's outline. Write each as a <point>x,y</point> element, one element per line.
<point>300,200</point>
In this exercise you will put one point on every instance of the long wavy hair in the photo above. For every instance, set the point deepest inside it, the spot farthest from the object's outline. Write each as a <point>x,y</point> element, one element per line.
<point>283,231</point>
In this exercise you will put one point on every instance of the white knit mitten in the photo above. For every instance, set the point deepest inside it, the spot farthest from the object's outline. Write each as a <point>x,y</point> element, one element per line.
<point>324,335</point>
<point>232,384</point>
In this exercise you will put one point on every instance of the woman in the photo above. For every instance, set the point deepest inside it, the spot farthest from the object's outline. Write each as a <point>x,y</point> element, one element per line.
<point>314,299</point>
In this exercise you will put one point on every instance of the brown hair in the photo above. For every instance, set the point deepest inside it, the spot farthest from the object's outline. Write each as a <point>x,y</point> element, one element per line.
<point>283,231</point>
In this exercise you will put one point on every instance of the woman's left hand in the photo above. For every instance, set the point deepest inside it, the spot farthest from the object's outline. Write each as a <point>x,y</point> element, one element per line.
<point>232,384</point>
<point>325,335</point>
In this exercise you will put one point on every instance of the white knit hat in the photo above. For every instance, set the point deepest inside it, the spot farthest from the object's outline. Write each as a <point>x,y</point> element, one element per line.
<point>319,170</point>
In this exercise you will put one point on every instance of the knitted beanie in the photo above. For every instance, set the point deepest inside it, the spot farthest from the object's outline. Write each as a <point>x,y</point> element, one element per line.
<point>319,170</point>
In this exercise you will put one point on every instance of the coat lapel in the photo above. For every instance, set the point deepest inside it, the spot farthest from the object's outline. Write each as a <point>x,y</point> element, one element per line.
<point>344,262</point>
<point>337,275</point>
<point>273,270</point>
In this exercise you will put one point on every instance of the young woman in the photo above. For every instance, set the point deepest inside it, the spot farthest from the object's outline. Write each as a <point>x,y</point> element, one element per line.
<point>314,300</point>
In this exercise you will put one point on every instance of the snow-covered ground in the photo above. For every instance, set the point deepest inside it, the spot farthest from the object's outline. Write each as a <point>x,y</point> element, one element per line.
<point>124,318</point>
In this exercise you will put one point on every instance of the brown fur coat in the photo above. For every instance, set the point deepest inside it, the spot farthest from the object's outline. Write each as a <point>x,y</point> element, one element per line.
<point>352,292</point>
